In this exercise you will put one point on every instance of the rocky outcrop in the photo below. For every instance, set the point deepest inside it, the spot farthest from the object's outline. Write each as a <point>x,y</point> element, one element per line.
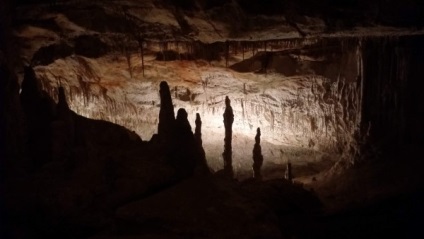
<point>48,54</point>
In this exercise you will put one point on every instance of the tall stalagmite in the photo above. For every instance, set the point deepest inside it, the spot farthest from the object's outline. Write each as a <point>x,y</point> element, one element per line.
<point>38,110</point>
<point>202,167</point>
<point>258,159</point>
<point>198,130</point>
<point>184,149</point>
<point>166,113</point>
<point>228,123</point>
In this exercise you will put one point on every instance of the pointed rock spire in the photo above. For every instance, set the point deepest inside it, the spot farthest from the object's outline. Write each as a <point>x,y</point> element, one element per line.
<point>166,113</point>
<point>198,130</point>
<point>183,148</point>
<point>182,125</point>
<point>228,124</point>
<point>258,159</point>
<point>202,165</point>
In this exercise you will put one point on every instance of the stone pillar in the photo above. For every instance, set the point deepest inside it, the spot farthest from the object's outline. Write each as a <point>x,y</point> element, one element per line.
<point>198,130</point>
<point>166,113</point>
<point>257,156</point>
<point>228,123</point>
<point>202,165</point>
<point>183,149</point>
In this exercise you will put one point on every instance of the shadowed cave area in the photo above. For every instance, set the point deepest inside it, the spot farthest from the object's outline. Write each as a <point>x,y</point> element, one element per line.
<point>211,119</point>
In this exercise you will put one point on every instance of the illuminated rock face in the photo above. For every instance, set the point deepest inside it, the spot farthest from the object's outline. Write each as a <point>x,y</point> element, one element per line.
<point>315,107</point>
<point>305,93</point>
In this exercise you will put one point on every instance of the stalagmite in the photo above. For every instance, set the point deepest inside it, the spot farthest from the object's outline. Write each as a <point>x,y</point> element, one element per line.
<point>183,150</point>
<point>198,130</point>
<point>202,166</point>
<point>258,159</point>
<point>228,123</point>
<point>288,175</point>
<point>182,126</point>
<point>166,113</point>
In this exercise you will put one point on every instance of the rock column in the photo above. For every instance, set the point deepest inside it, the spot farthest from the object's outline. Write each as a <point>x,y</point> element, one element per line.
<point>202,167</point>
<point>258,159</point>
<point>166,113</point>
<point>228,123</point>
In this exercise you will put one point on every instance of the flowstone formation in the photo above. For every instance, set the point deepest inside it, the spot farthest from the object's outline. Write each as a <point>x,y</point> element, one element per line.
<point>228,124</point>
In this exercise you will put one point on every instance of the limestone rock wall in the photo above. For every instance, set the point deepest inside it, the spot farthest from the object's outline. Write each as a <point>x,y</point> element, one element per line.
<point>303,94</point>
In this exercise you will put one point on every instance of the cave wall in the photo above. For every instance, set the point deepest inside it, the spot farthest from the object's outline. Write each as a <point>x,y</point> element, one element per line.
<point>298,77</point>
<point>392,109</point>
<point>303,93</point>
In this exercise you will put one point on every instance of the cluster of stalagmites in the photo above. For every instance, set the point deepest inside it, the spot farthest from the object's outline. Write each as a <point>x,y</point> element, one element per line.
<point>227,154</point>
<point>52,130</point>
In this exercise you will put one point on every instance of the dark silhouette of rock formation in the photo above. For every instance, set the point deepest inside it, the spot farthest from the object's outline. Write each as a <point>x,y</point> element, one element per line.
<point>202,167</point>
<point>38,109</point>
<point>182,148</point>
<point>198,130</point>
<point>228,124</point>
<point>62,104</point>
<point>11,120</point>
<point>63,129</point>
<point>288,175</point>
<point>258,159</point>
<point>182,126</point>
<point>166,113</point>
